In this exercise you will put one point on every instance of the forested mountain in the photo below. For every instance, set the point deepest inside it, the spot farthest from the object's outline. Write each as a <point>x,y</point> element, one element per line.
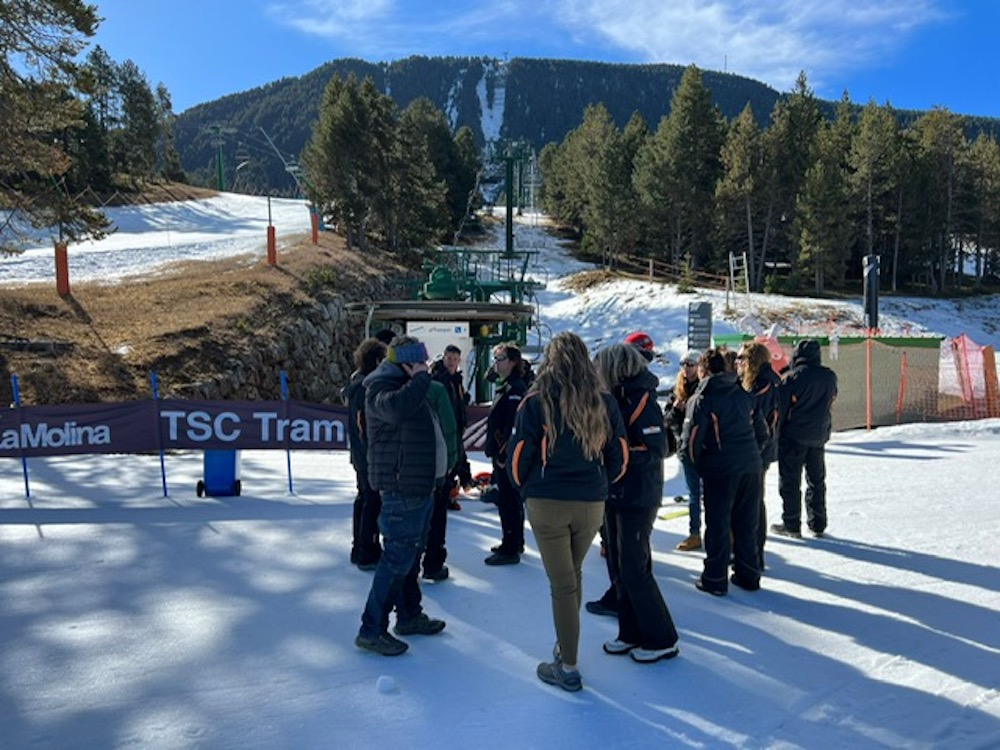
<point>534,100</point>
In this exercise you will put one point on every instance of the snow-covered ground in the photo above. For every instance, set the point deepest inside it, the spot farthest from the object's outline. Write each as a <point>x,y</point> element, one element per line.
<point>130,619</point>
<point>149,237</point>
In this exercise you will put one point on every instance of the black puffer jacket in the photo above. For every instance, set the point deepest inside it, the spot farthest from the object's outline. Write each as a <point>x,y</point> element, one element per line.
<point>723,433</point>
<point>566,474</point>
<point>642,486</point>
<point>402,444</point>
<point>357,431</point>
<point>807,395</point>
<point>500,421</point>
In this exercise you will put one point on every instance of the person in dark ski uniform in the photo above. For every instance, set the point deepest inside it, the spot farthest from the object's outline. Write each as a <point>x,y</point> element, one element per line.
<point>753,366</point>
<point>722,437</point>
<point>645,627</point>
<point>365,546</point>
<point>406,457</point>
<point>684,390</point>
<point>567,448</point>
<point>607,605</point>
<point>807,395</point>
<point>510,368</point>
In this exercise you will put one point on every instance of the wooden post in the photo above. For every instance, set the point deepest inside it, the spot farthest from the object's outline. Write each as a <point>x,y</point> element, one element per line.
<point>314,221</point>
<point>62,269</point>
<point>272,247</point>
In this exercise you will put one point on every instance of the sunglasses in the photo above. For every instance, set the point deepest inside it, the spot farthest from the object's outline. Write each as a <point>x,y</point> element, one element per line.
<point>688,363</point>
<point>500,359</point>
<point>740,357</point>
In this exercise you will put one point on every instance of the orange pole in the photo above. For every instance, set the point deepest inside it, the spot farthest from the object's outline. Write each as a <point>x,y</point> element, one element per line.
<point>62,269</point>
<point>314,221</point>
<point>272,247</point>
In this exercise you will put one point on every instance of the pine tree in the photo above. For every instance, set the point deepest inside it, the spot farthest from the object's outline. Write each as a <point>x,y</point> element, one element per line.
<point>38,78</point>
<point>677,171</point>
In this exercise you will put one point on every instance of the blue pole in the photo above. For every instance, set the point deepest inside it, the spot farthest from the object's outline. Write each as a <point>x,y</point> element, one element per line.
<point>154,381</point>
<point>24,459</point>
<point>288,451</point>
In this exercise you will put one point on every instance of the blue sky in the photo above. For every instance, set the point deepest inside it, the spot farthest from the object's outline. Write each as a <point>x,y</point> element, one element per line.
<point>914,54</point>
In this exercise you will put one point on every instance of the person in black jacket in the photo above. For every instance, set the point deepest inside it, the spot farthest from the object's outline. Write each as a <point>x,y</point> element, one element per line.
<point>406,456</point>
<point>684,389</point>
<point>645,628</point>
<point>447,371</point>
<point>510,368</point>
<point>807,395</point>
<point>365,546</point>
<point>753,366</point>
<point>722,437</point>
<point>567,448</point>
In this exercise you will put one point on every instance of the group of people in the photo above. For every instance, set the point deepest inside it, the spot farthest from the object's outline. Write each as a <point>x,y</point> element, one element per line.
<point>578,448</point>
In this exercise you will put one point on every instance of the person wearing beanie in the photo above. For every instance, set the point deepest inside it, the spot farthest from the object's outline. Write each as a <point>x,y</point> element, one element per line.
<point>407,455</point>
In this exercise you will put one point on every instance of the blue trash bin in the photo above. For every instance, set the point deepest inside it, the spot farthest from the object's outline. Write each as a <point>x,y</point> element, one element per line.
<point>221,474</point>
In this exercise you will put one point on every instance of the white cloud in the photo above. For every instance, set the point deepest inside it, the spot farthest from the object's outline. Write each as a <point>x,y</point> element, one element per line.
<point>771,41</point>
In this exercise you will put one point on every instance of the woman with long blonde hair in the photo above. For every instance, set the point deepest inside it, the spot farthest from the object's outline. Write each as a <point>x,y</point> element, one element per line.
<point>753,365</point>
<point>567,447</point>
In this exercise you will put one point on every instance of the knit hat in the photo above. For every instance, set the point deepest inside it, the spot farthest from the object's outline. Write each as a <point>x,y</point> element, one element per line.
<point>640,339</point>
<point>407,353</point>
<point>692,356</point>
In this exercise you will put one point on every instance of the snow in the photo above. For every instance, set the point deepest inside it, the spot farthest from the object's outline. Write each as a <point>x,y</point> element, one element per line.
<point>130,619</point>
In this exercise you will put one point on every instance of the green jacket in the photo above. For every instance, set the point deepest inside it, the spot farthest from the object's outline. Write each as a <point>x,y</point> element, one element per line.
<point>440,401</point>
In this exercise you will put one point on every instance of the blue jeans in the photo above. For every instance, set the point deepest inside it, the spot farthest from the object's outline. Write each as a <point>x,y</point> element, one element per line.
<point>403,523</point>
<point>693,481</point>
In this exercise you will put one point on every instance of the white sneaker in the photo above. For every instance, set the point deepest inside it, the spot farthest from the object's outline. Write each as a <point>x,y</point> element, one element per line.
<point>617,647</point>
<point>649,655</point>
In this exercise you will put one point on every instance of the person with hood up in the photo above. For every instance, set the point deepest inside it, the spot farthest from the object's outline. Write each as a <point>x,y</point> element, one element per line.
<point>407,456</point>
<point>646,630</point>
<point>807,395</point>
<point>722,438</point>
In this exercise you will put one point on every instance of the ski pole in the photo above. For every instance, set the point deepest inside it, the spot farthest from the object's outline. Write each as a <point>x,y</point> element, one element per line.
<point>24,459</point>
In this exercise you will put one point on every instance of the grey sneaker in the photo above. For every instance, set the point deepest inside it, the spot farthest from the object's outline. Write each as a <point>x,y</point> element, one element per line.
<point>556,674</point>
<point>419,625</point>
<point>649,655</point>
<point>617,647</point>
<point>383,643</point>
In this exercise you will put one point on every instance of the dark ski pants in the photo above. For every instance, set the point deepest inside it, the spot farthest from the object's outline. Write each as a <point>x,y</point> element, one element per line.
<point>732,504</point>
<point>793,456</point>
<point>436,553</point>
<point>643,616</point>
<point>511,508</point>
<point>365,546</point>
<point>762,520</point>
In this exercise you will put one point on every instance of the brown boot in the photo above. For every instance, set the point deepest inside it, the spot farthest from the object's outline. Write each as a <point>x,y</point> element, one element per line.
<point>690,544</point>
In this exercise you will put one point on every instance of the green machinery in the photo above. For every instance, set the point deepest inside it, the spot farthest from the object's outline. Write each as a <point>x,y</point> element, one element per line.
<point>487,289</point>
